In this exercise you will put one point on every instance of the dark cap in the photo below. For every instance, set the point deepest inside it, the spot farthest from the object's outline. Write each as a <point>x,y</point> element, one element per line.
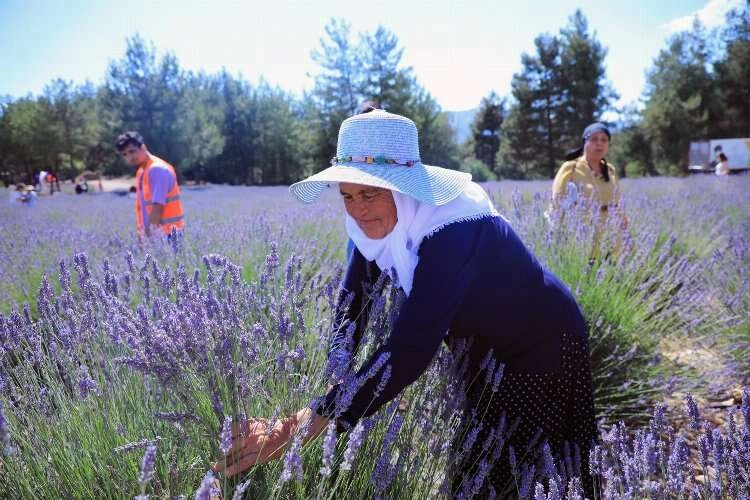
<point>594,128</point>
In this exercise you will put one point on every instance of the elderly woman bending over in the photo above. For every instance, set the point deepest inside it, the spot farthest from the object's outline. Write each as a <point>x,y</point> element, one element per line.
<point>466,276</point>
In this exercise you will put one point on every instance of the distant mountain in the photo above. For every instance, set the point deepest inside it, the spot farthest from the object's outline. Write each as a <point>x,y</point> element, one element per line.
<point>461,122</point>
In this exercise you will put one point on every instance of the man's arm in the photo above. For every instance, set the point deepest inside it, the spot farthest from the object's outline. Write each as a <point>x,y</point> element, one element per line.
<point>154,218</point>
<point>161,182</point>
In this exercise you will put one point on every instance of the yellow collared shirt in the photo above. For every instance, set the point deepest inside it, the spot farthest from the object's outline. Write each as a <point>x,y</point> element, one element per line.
<point>590,185</point>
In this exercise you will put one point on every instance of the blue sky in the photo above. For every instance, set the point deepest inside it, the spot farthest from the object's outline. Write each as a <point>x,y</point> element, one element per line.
<point>460,50</point>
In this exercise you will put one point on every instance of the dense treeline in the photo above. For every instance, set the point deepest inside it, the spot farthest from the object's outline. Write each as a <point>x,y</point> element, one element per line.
<point>222,128</point>
<point>697,87</point>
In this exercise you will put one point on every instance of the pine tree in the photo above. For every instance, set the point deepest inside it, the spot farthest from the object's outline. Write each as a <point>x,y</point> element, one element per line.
<point>335,94</point>
<point>145,92</point>
<point>381,79</point>
<point>680,99</point>
<point>560,89</point>
<point>485,130</point>
<point>533,126</point>
<point>733,74</point>
<point>586,91</point>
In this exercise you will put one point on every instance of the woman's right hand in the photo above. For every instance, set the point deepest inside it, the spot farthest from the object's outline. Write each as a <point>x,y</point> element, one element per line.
<point>253,444</point>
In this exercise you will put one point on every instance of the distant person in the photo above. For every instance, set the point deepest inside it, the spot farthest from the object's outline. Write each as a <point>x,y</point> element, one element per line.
<point>722,167</point>
<point>717,152</point>
<point>587,175</point>
<point>157,200</point>
<point>22,195</point>
<point>40,179</point>
<point>54,183</point>
<point>82,187</point>
<point>132,192</point>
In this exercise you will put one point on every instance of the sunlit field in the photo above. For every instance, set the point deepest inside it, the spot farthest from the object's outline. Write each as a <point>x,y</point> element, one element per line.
<point>122,360</point>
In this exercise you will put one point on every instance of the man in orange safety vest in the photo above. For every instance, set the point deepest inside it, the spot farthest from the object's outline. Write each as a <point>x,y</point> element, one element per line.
<point>157,201</point>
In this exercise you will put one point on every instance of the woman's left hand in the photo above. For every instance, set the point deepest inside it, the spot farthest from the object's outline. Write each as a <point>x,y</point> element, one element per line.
<point>252,444</point>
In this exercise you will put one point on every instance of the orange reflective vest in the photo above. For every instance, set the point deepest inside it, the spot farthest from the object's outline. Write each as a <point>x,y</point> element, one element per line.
<point>171,215</point>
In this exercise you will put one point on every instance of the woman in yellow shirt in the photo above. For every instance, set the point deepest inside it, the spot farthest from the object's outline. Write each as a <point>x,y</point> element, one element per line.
<point>587,175</point>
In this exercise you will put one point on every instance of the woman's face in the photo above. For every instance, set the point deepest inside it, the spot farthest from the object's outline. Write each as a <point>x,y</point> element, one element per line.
<point>371,207</point>
<point>597,145</point>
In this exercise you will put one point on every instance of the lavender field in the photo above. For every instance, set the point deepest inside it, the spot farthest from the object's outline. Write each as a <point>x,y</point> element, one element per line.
<point>121,363</point>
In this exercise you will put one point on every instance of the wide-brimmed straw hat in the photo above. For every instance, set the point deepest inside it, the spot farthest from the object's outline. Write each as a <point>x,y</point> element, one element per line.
<point>381,149</point>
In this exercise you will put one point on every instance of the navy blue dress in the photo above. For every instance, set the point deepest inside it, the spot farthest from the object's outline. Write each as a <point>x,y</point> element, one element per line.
<point>476,280</point>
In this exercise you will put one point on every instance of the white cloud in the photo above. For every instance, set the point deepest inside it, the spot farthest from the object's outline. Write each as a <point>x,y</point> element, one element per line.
<point>711,15</point>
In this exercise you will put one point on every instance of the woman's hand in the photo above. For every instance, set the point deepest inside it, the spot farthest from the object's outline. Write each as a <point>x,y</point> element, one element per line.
<point>252,444</point>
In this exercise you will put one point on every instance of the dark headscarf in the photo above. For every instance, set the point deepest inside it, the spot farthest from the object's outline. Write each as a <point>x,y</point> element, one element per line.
<point>588,132</point>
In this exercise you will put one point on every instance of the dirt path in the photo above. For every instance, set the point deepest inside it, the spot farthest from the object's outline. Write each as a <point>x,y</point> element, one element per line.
<point>722,389</point>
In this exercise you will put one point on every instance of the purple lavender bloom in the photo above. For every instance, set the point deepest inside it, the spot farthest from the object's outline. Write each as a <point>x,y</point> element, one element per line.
<point>64,276</point>
<point>147,465</point>
<point>143,443</point>
<point>491,494</point>
<point>718,457</point>
<point>693,412</point>
<point>550,471</point>
<point>206,487</point>
<point>512,461</point>
<point>470,439</point>
<point>705,449</point>
<point>677,465</point>
<point>86,385</point>
<point>498,377</point>
<point>216,403</point>
<point>488,372</point>
<point>239,491</point>
<point>329,447</point>
<point>527,480</point>
<point>226,436</point>
<point>5,444</point>
<point>575,489</point>
<point>175,417</point>
<point>745,408</point>
<point>539,493</point>
<point>356,438</point>
<point>485,361</point>
<point>383,381</point>
<point>478,481</point>
<point>293,461</point>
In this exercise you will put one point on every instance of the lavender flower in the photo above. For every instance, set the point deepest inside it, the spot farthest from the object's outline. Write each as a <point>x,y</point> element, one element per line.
<point>175,417</point>
<point>206,489</point>
<point>498,377</point>
<point>383,382</point>
<point>239,491</point>
<point>293,461</point>
<point>5,442</point>
<point>86,385</point>
<point>527,480</point>
<point>356,438</point>
<point>329,447</point>
<point>143,443</point>
<point>693,412</point>
<point>147,465</point>
<point>226,436</point>
<point>677,466</point>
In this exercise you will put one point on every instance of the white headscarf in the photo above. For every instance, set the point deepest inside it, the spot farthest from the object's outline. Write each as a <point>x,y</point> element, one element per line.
<point>398,249</point>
